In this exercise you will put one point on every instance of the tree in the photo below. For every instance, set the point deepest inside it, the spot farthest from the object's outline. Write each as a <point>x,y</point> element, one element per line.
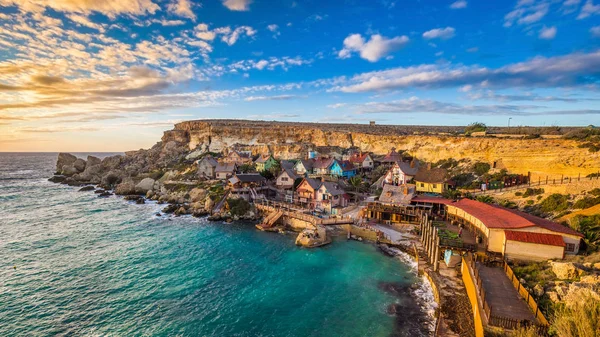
<point>356,182</point>
<point>475,127</point>
<point>245,168</point>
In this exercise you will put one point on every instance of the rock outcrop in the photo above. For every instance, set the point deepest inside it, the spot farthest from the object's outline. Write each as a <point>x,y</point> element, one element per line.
<point>566,270</point>
<point>547,156</point>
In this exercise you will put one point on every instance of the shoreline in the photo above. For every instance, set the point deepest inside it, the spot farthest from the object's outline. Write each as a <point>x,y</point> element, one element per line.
<point>422,292</point>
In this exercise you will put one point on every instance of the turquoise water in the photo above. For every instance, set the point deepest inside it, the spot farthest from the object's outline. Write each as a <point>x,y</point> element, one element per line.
<point>105,267</point>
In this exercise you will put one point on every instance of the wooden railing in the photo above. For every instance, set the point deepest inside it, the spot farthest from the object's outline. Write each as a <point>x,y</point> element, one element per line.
<point>457,243</point>
<point>501,321</point>
<point>526,295</point>
<point>534,183</point>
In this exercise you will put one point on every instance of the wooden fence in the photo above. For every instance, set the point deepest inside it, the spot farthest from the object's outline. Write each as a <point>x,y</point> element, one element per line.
<point>526,295</point>
<point>534,183</point>
<point>494,319</point>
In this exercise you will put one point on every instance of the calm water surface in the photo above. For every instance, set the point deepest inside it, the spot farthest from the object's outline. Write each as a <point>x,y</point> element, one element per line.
<point>106,267</point>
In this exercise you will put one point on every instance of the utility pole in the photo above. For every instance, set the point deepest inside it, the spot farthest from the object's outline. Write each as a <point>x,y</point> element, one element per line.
<point>509,118</point>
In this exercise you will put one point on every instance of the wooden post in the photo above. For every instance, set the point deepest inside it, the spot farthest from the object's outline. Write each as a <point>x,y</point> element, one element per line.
<point>434,246</point>
<point>436,256</point>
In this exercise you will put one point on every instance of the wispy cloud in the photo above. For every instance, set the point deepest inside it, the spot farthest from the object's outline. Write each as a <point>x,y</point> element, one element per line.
<point>459,4</point>
<point>439,33</point>
<point>237,5</point>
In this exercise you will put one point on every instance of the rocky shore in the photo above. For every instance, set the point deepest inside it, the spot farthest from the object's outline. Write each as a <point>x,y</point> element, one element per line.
<point>161,173</point>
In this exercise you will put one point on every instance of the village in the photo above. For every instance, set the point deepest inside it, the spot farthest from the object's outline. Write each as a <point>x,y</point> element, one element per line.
<point>400,202</point>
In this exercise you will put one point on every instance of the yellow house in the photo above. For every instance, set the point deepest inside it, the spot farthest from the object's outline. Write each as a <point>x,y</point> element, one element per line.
<point>430,180</point>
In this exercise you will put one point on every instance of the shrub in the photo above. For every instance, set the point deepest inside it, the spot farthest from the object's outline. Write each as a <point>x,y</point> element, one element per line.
<point>580,318</point>
<point>518,194</point>
<point>481,168</point>
<point>595,192</point>
<point>475,127</point>
<point>555,203</point>
<point>238,207</point>
<point>533,191</point>
<point>529,202</point>
<point>586,202</point>
<point>485,198</point>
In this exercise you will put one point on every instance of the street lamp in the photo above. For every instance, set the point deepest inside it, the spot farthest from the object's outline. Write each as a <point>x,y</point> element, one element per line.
<point>509,118</point>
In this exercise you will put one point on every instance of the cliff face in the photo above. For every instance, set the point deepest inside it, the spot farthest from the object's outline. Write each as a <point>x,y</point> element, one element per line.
<point>543,157</point>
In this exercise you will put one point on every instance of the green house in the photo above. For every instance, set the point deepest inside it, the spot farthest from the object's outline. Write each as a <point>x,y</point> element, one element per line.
<point>265,163</point>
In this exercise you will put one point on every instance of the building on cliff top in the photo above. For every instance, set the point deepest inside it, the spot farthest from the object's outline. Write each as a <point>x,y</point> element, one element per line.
<point>362,161</point>
<point>512,233</point>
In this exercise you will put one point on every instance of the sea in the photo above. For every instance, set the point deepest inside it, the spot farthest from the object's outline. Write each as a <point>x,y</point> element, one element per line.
<point>73,264</point>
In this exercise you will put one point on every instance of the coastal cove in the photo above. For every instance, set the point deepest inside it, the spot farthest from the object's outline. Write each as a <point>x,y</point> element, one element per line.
<point>76,264</point>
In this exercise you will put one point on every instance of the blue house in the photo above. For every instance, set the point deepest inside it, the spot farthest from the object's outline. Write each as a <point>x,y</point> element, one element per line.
<point>343,168</point>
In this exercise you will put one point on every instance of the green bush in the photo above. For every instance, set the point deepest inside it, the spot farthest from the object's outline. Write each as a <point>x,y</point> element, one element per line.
<point>238,207</point>
<point>481,168</point>
<point>555,203</point>
<point>533,191</point>
<point>475,127</point>
<point>595,192</point>
<point>586,202</point>
<point>529,202</point>
<point>518,194</point>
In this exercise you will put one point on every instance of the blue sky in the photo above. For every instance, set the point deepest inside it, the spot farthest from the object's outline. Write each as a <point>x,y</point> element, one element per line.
<point>82,75</point>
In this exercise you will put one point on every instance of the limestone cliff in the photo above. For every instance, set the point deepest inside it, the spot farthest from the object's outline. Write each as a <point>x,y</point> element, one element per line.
<point>544,156</point>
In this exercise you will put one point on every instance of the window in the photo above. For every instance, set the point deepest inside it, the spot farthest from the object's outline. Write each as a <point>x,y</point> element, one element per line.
<point>284,179</point>
<point>570,247</point>
<point>422,185</point>
<point>434,185</point>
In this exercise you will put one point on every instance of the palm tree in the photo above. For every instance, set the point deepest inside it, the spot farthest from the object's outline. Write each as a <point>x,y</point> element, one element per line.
<point>356,182</point>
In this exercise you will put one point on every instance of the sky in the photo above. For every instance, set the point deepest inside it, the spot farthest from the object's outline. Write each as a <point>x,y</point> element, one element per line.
<point>112,75</point>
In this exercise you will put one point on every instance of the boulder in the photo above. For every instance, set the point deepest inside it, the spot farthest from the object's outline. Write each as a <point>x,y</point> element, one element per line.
<point>538,290</point>
<point>312,237</point>
<point>111,162</point>
<point>87,188</point>
<point>125,187</point>
<point>591,279</point>
<point>596,266</point>
<point>68,170</point>
<point>91,161</point>
<point>79,165</point>
<point>111,178</point>
<point>566,270</point>
<point>92,173</point>
<point>197,194</point>
<point>180,211</point>
<point>209,203</point>
<point>64,159</point>
<point>57,179</point>
<point>170,209</point>
<point>145,185</point>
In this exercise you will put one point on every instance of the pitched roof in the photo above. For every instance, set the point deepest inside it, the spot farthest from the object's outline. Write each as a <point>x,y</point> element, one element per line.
<point>539,238</point>
<point>346,165</point>
<point>287,164</point>
<point>210,160</point>
<point>409,168</point>
<point>290,173</point>
<point>333,188</point>
<point>494,216</point>
<point>249,177</point>
<point>393,194</point>
<point>308,163</point>
<point>323,163</point>
<point>358,158</point>
<point>391,157</point>
<point>225,167</point>
<point>434,175</point>
<point>313,183</point>
<point>262,159</point>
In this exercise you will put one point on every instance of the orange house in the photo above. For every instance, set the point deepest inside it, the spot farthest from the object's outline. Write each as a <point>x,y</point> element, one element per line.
<point>306,191</point>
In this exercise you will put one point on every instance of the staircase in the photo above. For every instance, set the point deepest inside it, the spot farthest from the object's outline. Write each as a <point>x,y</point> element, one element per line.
<point>270,220</point>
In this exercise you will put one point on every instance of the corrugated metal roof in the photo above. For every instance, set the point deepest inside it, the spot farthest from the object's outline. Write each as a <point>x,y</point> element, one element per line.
<point>538,238</point>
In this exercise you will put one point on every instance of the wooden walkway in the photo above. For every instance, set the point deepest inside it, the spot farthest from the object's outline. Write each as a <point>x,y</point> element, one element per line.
<point>501,295</point>
<point>294,213</point>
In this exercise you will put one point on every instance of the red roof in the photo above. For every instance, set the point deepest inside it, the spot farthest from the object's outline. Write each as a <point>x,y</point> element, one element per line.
<point>494,216</point>
<point>539,238</point>
<point>358,158</point>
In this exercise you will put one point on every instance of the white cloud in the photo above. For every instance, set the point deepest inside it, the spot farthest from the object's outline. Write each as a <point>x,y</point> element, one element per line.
<point>459,4</point>
<point>571,70</point>
<point>439,33</point>
<point>237,5</point>
<point>526,12</point>
<point>274,29</point>
<point>272,98</point>
<point>231,36</point>
<point>110,8</point>
<point>201,31</point>
<point>84,21</point>
<point>170,22</point>
<point>181,8</point>
<point>595,31</point>
<point>588,10</point>
<point>373,50</point>
<point>473,50</point>
<point>548,33</point>
<point>260,65</point>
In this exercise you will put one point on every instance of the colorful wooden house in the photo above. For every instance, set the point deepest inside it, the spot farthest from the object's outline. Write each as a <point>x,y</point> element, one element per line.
<point>225,170</point>
<point>207,167</point>
<point>401,173</point>
<point>322,166</point>
<point>304,167</point>
<point>343,169</point>
<point>285,179</point>
<point>306,192</point>
<point>391,158</point>
<point>362,161</point>
<point>265,163</point>
<point>238,157</point>
<point>432,180</point>
<point>331,197</point>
